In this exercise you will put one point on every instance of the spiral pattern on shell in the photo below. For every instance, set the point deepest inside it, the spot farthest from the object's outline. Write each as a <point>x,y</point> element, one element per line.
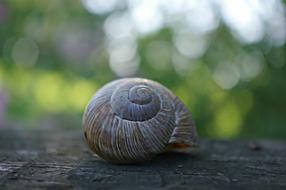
<point>133,119</point>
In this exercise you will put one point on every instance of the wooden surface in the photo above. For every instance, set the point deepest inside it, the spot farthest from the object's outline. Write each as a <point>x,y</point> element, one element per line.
<point>58,159</point>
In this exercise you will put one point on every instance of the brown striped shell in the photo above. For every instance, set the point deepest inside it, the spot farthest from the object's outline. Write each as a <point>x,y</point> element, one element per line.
<point>132,119</point>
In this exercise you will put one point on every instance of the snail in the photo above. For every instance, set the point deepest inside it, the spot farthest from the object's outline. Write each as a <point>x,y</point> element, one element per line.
<point>133,119</point>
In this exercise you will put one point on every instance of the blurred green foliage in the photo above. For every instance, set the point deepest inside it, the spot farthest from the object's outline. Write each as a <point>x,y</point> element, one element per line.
<point>56,54</point>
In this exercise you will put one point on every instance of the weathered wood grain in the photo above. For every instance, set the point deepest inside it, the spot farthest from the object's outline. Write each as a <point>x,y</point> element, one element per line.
<point>58,159</point>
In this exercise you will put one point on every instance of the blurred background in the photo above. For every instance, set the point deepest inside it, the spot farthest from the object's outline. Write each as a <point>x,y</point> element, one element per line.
<point>225,59</point>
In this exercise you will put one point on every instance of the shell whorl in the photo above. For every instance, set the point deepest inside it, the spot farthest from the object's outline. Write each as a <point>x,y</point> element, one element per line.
<point>135,101</point>
<point>133,119</point>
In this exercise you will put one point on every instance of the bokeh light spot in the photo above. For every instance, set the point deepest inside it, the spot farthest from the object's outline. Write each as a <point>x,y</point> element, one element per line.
<point>190,45</point>
<point>25,51</point>
<point>226,75</point>
<point>125,68</point>
<point>202,18</point>
<point>118,26</point>
<point>246,25</point>
<point>251,65</point>
<point>99,6</point>
<point>146,16</point>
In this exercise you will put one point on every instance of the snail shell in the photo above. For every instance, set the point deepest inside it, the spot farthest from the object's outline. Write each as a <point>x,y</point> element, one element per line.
<point>132,119</point>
